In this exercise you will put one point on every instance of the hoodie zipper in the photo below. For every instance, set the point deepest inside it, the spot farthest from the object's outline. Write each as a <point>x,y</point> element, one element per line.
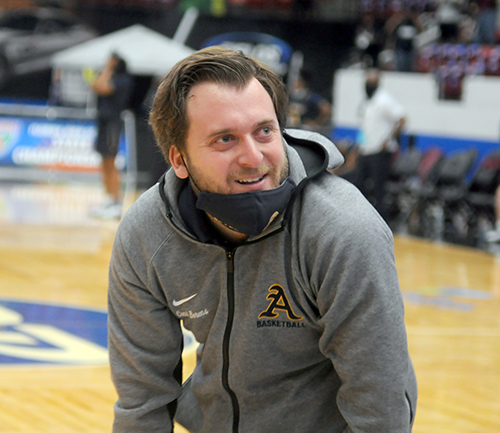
<point>225,342</point>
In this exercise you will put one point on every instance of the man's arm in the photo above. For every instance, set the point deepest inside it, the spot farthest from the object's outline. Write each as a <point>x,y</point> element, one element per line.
<point>393,135</point>
<point>396,114</point>
<point>145,345</point>
<point>362,315</point>
<point>103,84</point>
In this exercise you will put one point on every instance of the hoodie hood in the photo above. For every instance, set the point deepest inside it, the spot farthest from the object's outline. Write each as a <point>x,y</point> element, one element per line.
<point>316,151</point>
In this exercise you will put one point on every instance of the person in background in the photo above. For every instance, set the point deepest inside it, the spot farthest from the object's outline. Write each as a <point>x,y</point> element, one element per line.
<point>402,28</point>
<point>370,39</point>
<point>283,272</point>
<point>113,87</point>
<point>307,109</point>
<point>381,121</point>
<point>450,15</point>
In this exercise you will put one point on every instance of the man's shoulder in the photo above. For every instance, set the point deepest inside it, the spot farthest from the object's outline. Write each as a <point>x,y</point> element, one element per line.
<point>329,193</point>
<point>148,202</point>
<point>338,202</point>
<point>145,215</point>
<point>383,96</point>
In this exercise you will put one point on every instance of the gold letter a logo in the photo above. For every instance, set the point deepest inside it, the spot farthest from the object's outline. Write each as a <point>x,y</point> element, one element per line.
<point>279,301</point>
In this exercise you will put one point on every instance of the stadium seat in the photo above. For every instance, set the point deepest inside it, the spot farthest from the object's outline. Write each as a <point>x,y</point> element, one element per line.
<point>403,170</point>
<point>440,201</point>
<point>407,220</point>
<point>480,198</point>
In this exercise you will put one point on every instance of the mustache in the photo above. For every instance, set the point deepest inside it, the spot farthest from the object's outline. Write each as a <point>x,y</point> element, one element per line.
<point>253,172</point>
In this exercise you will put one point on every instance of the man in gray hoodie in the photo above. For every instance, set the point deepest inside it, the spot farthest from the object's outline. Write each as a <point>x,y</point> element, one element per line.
<point>283,272</point>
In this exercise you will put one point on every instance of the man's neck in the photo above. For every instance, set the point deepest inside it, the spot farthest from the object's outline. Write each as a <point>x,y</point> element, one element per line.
<point>231,235</point>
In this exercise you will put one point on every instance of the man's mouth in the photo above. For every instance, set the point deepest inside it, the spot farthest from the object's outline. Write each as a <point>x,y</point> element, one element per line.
<point>250,181</point>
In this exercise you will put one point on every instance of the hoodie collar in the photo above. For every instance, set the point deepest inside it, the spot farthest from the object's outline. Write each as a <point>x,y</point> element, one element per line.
<point>316,151</point>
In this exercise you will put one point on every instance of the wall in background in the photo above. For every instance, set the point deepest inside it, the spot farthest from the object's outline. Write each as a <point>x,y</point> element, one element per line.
<point>474,121</point>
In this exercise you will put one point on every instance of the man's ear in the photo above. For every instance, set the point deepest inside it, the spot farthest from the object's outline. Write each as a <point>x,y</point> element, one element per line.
<point>178,163</point>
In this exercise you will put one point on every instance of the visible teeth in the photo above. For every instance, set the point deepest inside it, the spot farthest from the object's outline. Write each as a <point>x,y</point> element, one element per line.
<point>251,180</point>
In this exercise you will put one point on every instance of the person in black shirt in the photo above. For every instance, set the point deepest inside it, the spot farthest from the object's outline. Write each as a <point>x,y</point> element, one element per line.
<point>113,87</point>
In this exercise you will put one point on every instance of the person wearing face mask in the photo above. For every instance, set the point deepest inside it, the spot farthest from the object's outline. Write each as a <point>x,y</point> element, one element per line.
<point>382,119</point>
<point>283,272</point>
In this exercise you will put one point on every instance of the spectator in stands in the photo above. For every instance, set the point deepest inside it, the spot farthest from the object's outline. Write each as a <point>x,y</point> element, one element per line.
<point>370,39</point>
<point>486,16</point>
<point>402,28</point>
<point>113,87</point>
<point>449,16</point>
<point>307,109</point>
<point>381,121</point>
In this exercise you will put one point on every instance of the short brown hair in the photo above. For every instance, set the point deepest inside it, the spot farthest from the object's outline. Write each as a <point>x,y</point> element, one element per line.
<point>215,64</point>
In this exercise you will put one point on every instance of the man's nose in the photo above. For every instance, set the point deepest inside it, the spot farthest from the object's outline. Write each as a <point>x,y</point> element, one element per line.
<point>250,152</point>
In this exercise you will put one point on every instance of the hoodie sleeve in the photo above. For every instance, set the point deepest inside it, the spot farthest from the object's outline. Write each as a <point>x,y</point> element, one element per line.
<point>351,271</point>
<point>145,342</point>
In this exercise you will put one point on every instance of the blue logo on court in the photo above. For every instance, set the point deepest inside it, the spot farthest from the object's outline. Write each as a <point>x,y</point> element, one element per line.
<point>32,333</point>
<point>40,334</point>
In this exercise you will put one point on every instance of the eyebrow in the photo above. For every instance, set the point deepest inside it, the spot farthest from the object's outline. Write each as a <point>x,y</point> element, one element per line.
<point>228,131</point>
<point>220,132</point>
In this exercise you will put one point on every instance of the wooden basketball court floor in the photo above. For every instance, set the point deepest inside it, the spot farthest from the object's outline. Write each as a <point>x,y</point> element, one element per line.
<point>52,253</point>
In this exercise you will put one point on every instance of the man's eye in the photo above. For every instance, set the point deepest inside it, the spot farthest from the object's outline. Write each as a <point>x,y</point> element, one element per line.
<point>266,133</point>
<point>225,139</point>
<point>223,142</point>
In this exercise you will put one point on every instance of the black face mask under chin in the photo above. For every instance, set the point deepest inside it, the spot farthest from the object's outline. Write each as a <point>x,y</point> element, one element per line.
<point>370,89</point>
<point>250,212</point>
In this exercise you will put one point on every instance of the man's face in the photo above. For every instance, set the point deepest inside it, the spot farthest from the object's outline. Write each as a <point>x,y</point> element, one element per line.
<point>234,143</point>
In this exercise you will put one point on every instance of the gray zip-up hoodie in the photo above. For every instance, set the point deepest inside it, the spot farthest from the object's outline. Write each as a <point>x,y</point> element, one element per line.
<point>301,329</point>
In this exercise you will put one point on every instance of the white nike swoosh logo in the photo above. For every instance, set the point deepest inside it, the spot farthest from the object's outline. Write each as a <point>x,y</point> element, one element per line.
<point>183,301</point>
